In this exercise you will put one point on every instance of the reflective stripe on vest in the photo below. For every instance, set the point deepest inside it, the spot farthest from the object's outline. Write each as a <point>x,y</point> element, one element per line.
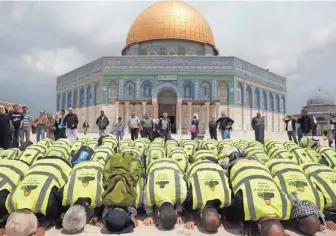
<point>317,200</point>
<point>150,155</point>
<point>71,187</point>
<point>8,179</point>
<point>247,168</point>
<point>41,201</point>
<point>57,151</point>
<point>171,162</point>
<point>177,185</point>
<point>249,197</point>
<point>200,203</point>
<point>329,158</point>
<point>64,176</point>
<point>66,150</point>
<point>284,162</point>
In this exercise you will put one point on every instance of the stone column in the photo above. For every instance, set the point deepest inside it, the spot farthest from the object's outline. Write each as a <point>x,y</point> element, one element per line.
<point>155,109</point>
<point>179,117</point>
<point>207,104</point>
<point>116,112</point>
<point>190,114</point>
<point>126,118</point>
<point>217,111</point>
<point>144,104</point>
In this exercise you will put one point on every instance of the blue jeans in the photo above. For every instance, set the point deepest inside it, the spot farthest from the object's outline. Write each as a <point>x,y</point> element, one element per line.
<point>225,134</point>
<point>40,132</point>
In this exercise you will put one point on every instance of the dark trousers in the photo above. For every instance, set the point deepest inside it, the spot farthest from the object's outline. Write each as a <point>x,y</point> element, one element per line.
<point>61,134</point>
<point>147,133</point>
<point>213,134</point>
<point>134,134</point>
<point>292,136</point>
<point>164,134</point>
<point>16,136</point>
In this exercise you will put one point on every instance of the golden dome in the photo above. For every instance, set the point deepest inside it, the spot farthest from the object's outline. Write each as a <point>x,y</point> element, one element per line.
<point>170,20</point>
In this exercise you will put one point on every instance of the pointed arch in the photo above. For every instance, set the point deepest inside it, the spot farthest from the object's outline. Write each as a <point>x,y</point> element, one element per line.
<point>277,103</point>
<point>147,89</point>
<point>239,94</point>
<point>270,101</point>
<point>69,102</point>
<point>223,92</point>
<point>188,90</point>
<point>129,90</point>
<point>205,91</point>
<point>283,104</point>
<point>63,101</point>
<point>264,100</point>
<point>113,89</point>
<point>256,98</point>
<point>58,102</point>
<point>75,99</point>
<point>95,93</point>
<point>248,96</point>
<point>81,97</point>
<point>88,95</point>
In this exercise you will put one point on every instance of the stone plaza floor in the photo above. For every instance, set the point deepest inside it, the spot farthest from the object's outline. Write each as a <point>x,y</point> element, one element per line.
<point>179,229</point>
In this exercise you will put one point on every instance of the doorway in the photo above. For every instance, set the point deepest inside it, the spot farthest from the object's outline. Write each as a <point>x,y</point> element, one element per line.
<point>167,100</point>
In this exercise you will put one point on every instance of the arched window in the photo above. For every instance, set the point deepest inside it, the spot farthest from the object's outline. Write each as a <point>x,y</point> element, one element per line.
<point>81,97</point>
<point>270,102</point>
<point>256,98</point>
<point>188,90</point>
<point>223,92</point>
<point>75,99</point>
<point>113,86</point>
<point>95,93</point>
<point>277,103</point>
<point>147,89</point>
<point>248,96</point>
<point>205,90</point>
<point>283,104</point>
<point>58,102</point>
<point>239,93</point>
<point>130,90</point>
<point>63,101</point>
<point>89,95</point>
<point>69,99</point>
<point>264,101</point>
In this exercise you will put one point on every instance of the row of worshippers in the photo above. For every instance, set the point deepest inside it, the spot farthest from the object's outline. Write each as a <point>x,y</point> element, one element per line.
<point>218,192</point>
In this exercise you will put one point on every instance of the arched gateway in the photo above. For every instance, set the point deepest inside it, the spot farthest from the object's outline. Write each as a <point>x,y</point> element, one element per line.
<point>167,101</point>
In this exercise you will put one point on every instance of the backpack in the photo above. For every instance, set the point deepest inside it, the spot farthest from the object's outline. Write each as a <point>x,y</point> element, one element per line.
<point>192,129</point>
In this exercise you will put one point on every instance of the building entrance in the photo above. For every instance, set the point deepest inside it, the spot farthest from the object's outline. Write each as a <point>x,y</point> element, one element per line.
<point>167,100</point>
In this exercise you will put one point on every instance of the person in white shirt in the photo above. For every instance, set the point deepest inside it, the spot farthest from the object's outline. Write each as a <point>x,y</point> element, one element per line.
<point>291,128</point>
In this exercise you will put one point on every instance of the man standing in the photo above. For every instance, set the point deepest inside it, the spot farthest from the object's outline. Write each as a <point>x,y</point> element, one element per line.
<point>133,125</point>
<point>165,127</point>
<point>213,128</point>
<point>147,126</point>
<point>225,123</point>
<point>25,128</point>
<point>62,127</point>
<point>4,128</point>
<point>41,124</point>
<point>258,125</point>
<point>306,123</point>
<point>102,122</point>
<point>71,121</point>
<point>16,117</point>
<point>290,128</point>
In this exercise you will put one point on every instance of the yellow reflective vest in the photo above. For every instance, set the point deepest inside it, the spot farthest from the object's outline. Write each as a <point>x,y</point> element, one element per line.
<point>32,153</point>
<point>11,173</point>
<point>330,156</point>
<point>102,154</point>
<point>86,181</point>
<point>12,154</point>
<point>34,190</point>
<point>179,155</point>
<point>291,179</point>
<point>202,154</point>
<point>154,153</point>
<point>261,195</point>
<point>59,150</point>
<point>165,181</point>
<point>208,182</point>
<point>324,179</point>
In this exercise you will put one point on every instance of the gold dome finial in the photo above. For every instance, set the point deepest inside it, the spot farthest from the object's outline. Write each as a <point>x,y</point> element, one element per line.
<point>171,19</point>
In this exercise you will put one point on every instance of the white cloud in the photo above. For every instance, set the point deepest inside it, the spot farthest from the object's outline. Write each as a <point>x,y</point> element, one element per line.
<point>52,62</point>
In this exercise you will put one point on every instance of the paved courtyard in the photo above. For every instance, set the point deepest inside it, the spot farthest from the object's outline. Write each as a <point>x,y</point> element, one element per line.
<point>179,230</point>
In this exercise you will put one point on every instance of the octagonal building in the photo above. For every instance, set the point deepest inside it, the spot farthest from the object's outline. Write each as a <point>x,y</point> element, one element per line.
<point>170,63</point>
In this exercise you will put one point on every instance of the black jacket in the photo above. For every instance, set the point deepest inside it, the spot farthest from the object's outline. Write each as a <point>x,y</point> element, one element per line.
<point>306,124</point>
<point>168,125</point>
<point>293,124</point>
<point>225,122</point>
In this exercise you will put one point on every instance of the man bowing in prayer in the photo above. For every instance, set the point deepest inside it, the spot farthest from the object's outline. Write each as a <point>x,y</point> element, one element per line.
<point>258,125</point>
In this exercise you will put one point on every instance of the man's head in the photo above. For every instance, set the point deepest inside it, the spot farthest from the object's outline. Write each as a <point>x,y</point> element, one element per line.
<point>74,219</point>
<point>210,219</point>
<point>119,119</point>
<point>62,112</point>
<point>24,109</point>
<point>21,223</point>
<point>165,115</point>
<point>223,115</point>
<point>2,110</point>
<point>258,114</point>
<point>16,107</point>
<point>102,113</point>
<point>271,227</point>
<point>303,112</point>
<point>70,110</point>
<point>147,115</point>
<point>133,113</point>
<point>168,215</point>
<point>309,225</point>
<point>42,113</point>
<point>117,220</point>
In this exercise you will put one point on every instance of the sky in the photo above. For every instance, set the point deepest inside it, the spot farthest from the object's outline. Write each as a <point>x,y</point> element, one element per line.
<point>40,41</point>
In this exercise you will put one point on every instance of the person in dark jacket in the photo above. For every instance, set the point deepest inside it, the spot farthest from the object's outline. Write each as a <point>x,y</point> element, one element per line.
<point>290,123</point>
<point>102,122</point>
<point>194,122</point>
<point>4,128</point>
<point>165,127</point>
<point>61,126</point>
<point>16,117</point>
<point>306,123</point>
<point>225,125</point>
<point>213,128</point>
<point>258,125</point>
<point>71,121</point>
